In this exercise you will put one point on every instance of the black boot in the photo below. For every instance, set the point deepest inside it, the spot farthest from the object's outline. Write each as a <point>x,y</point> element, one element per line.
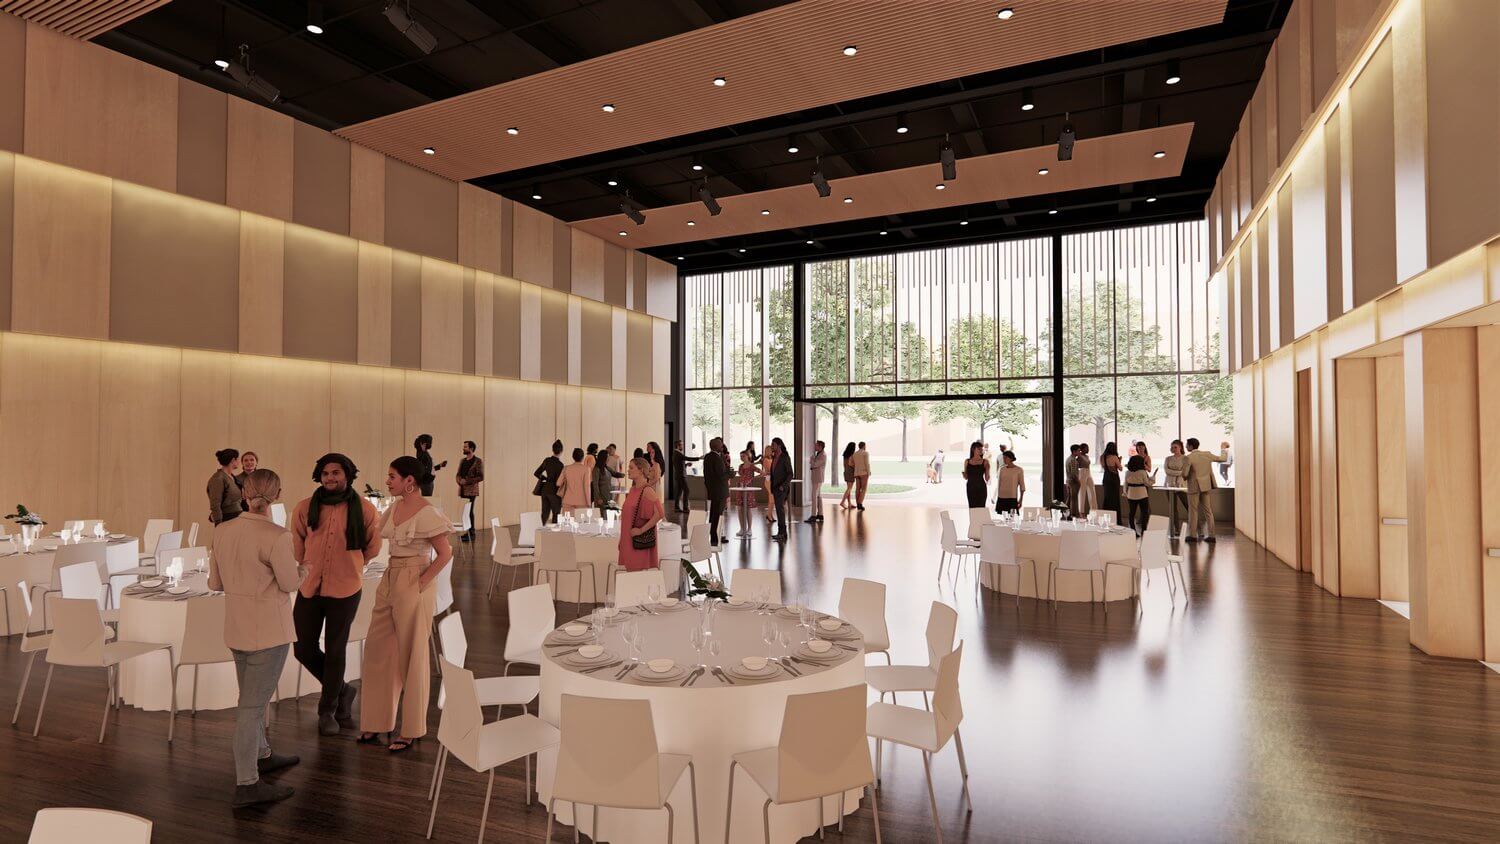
<point>275,762</point>
<point>261,792</point>
<point>344,714</point>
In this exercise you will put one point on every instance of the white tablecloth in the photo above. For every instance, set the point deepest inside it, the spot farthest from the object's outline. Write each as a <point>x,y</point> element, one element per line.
<point>1043,547</point>
<point>36,569</point>
<point>147,684</point>
<point>710,721</point>
<point>601,551</point>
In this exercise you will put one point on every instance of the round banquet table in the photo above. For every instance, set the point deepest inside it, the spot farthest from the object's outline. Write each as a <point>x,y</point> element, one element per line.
<point>1035,541</point>
<point>121,553</point>
<point>602,550</point>
<point>156,616</point>
<point>708,720</point>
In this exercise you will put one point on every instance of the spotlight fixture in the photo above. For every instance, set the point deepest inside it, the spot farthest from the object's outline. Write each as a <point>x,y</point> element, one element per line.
<point>1052,210</point>
<point>512,131</point>
<point>848,200</point>
<point>399,14</point>
<point>1174,72</point>
<point>240,71</point>
<point>691,223</point>
<point>315,18</point>
<point>963,222</point>
<point>429,151</point>
<point>884,233</point>
<point>791,145</point>
<point>949,161</point>
<point>1027,101</point>
<point>679,257</point>
<point>720,82</point>
<point>1065,140</point>
<point>1006,13</point>
<point>765,212</point>
<point>1161,153</point>
<point>939,186</point>
<point>809,243</point>
<point>697,165</point>
<point>706,196</point>
<point>1042,171</point>
<point>820,182</point>
<point>742,249</point>
<point>630,208</point>
<point>608,108</point>
<point>623,233</point>
<point>221,64</point>
<point>901,127</point>
<point>850,50</point>
<point>612,182</point>
<point>536,196</point>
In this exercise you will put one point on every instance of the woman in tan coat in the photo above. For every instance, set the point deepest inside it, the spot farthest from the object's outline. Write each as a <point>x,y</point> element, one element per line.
<point>396,659</point>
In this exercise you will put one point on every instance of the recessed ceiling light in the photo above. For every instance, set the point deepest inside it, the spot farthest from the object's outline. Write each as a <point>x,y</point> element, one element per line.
<point>1174,72</point>
<point>613,182</point>
<point>609,108</point>
<point>697,167</point>
<point>901,127</point>
<point>512,131</point>
<point>765,212</point>
<point>939,186</point>
<point>1052,211</point>
<point>1150,199</point>
<point>1006,13</point>
<point>315,29</point>
<point>742,249</point>
<point>963,222</point>
<point>848,200</point>
<point>429,150</point>
<point>623,233</point>
<point>883,234</point>
<point>809,243</point>
<point>791,145</point>
<point>679,257</point>
<point>1042,171</point>
<point>850,50</point>
<point>315,18</point>
<point>221,64</point>
<point>536,196</point>
<point>1161,153</point>
<point>720,81</point>
<point>691,223</point>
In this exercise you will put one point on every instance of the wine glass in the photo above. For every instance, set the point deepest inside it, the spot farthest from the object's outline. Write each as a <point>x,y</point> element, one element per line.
<point>631,631</point>
<point>769,634</point>
<point>715,648</point>
<point>698,639</point>
<point>609,604</point>
<point>653,593</point>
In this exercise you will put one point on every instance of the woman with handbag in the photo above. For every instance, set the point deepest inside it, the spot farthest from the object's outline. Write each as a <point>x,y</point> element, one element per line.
<point>638,517</point>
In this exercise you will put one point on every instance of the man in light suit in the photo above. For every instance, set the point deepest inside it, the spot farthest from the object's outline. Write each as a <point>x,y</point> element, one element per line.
<point>816,466</point>
<point>1200,486</point>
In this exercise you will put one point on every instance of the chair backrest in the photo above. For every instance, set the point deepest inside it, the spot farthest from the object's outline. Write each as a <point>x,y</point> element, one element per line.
<point>748,583</point>
<point>862,604</point>
<point>997,544</point>
<point>608,755</point>
<point>1154,549</point>
<point>203,633</point>
<point>697,517</point>
<point>950,532</point>
<point>947,710</point>
<point>823,748</point>
<point>278,513</point>
<point>81,552</point>
<point>942,626</point>
<point>1158,522</point>
<point>155,529</point>
<point>443,598</point>
<point>532,617</point>
<point>459,728</point>
<point>529,524</point>
<point>169,541</point>
<point>192,535</point>
<point>81,580</point>
<point>631,586</point>
<point>452,639</point>
<point>66,826</point>
<point>468,518</point>
<point>77,631</point>
<point>1079,549</point>
<point>359,630</point>
<point>500,544</point>
<point>700,545</point>
<point>978,518</point>
<point>555,550</point>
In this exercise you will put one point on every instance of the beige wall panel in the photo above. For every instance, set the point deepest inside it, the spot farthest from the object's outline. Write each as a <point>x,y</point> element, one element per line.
<point>531,332</point>
<point>1487,348</point>
<point>1409,144</point>
<point>540,428</point>
<point>1260,153</point>
<point>100,111</point>
<point>596,344</point>
<point>374,343</point>
<point>661,357</point>
<point>553,337</point>
<point>434,405</point>
<point>1445,555</point>
<point>207,400</point>
<point>620,342</point>
<point>533,246</point>
<point>140,435</point>
<point>661,289</point>
<point>1249,331</point>
<point>507,313</point>
<point>505,450</point>
<point>49,390</point>
<point>1390,431</point>
<point>1334,212</point>
<point>1264,284</point>
<point>1278,481</point>
<point>615,260</point>
<point>1289,70</point>
<point>259,169</point>
<point>1245,191</point>
<point>442,316</point>
<point>587,266</point>
<point>61,253</point>
<point>575,341</point>
<point>644,423</point>
<point>1309,236</point>
<point>202,141</point>
<point>367,421</point>
<point>1325,432</point>
<point>479,228</point>
<point>1244,409</point>
<point>406,310</point>
<point>7,234</point>
<point>320,179</point>
<point>12,83</point>
<point>1282,296</point>
<point>421,211</point>
<point>562,256</point>
<point>281,410</point>
<point>1258,450</point>
<point>366,194</point>
<point>601,417</point>
<point>507,238</point>
<point>1358,459</point>
<point>469,327</point>
<point>262,272</point>
<point>1463,78</point>
<point>639,277</point>
<point>569,419</point>
<point>1373,237</point>
<point>174,270</point>
<point>484,323</point>
<point>1354,19</point>
<point>320,295</point>
<point>471,410</point>
<point>639,374</point>
<point>1324,39</point>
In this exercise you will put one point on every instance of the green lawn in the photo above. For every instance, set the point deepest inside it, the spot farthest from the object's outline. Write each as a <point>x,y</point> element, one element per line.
<point>873,489</point>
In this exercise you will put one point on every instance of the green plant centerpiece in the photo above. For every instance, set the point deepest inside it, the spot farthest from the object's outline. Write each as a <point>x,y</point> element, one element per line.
<point>23,516</point>
<point>708,588</point>
<point>373,493</point>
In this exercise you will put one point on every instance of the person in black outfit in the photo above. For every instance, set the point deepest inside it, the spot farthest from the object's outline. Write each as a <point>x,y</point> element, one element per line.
<point>781,484</point>
<point>679,477</point>
<point>1109,461</point>
<point>547,475</point>
<point>423,445</point>
<point>716,483</point>
<point>976,475</point>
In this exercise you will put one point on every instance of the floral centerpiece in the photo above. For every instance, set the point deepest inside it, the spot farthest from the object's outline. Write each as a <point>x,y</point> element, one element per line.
<point>377,497</point>
<point>29,522</point>
<point>707,587</point>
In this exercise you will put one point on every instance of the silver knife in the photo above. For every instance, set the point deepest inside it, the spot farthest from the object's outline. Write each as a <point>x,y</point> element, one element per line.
<point>601,667</point>
<point>788,668</point>
<point>623,671</point>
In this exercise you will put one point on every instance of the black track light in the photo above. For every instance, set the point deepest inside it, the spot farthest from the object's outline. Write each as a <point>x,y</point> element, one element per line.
<point>630,208</point>
<point>240,71</point>
<point>949,160</point>
<point>1027,101</point>
<point>706,196</point>
<point>399,14</point>
<point>315,17</point>
<point>791,145</point>
<point>1065,140</point>
<point>820,181</point>
<point>901,127</point>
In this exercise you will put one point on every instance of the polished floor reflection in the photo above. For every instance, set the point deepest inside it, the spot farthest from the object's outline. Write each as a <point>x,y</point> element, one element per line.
<point>1265,709</point>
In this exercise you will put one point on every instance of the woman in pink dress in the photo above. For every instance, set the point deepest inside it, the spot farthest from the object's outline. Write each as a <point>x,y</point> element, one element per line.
<point>638,515</point>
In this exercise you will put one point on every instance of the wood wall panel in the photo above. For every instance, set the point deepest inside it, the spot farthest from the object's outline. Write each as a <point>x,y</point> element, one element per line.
<point>530,332</point>
<point>366,194</point>
<point>468,317</point>
<point>60,283</point>
<point>1487,384</point>
<point>207,401</point>
<point>569,420</point>
<point>620,340</point>
<point>12,84</point>
<point>139,434</point>
<point>442,316</point>
<point>637,279</point>
<point>484,323</point>
<point>661,357</point>
<point>1373,238</point>
<point>434,405</point>
<point>7,232</point>
<point>596,344</point>
<point>1284,258</point>
<point>644,420</point>
<point>1409,143</point>
<point>1390,486</point>
<point>421,212</point>
<point>367,422</point>
<point>480,229</point>
<point>1358,456</point>
<point>259,160</point>
<point>1463,76</point>
<point>100,111</point>
<point>533,246</point>
<point>661,289</point>
<point>615,260</point>
<point>1309,240</point>
<point>49,393</point>
<point>291,421</point>
<point>1290,112</point>
<point>1259,140</point>
<point>562,255</point>
<point>507,327</point>
<point>504,451</point>
<point>174,271</point>
<point>1278,484</point>
<point>1325,433</point>
<point>406,310</point>
<point>202,141</point>
<point>575,342</point>
<point>1263,285</point>
<point>374,344</point>
<point>320,179</point>
<point>320,287</point>
<point>587,266</point>
<point>1334,212</point>
<point>639,374</point>
<point>553,337</point>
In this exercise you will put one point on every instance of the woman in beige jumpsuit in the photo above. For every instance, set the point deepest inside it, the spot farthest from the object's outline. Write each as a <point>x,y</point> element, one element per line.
<point>396,650</point>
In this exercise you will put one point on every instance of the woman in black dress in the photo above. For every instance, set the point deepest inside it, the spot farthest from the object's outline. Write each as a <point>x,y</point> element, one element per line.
<point>976,475</point>
<point>1110,463</point>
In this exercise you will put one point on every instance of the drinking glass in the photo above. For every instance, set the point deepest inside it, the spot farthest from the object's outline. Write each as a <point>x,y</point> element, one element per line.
<point>609,604</point>
<point>698,639</point>
<point>67,534</point>
<point>653,593</point>
<point>631,631</point>
<point>769,634</point>
<point>805,619</point>
<point>715,647</point>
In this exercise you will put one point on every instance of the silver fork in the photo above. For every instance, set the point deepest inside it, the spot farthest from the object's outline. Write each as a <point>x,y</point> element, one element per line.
<point>600,667</point>
<point>692,675</point>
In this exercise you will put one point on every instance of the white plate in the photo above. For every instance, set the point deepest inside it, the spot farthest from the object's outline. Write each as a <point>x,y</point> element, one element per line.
<point>747,605</point>
<point>580,662</point>
<point>150,584</point>
<point>177,590</point>
<point>117,536</point>
<point>646,675</point>
<point>740,672</point>
<point>831,655</point>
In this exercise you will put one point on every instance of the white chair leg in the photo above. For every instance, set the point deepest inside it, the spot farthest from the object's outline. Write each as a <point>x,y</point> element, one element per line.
<point>437,792</point>
<point>551,806</point>
<point>436,772</point>
<point>172,722</point>
<point>932,796</point>
<point>43,705</point>
<point>484,817</point>
<point>21,693</point>
<point>109,700</point>
<point>729,803</point>
<point>963,768</point>
<point>693,790</point>
<point>875,812</point>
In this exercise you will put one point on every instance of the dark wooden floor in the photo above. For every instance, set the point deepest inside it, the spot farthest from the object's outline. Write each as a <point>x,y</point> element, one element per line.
<point>1267,710</point>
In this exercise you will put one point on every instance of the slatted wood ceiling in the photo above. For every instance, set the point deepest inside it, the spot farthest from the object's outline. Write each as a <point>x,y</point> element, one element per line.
<point>83,19</point>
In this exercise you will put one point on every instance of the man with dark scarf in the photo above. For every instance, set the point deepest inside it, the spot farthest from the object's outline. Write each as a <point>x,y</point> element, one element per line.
<point>334,533</point>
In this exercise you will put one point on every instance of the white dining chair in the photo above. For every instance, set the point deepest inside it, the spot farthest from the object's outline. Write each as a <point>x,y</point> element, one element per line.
<point>463,733</point>
<point>69,826</point>
<point>978,518</point>
<point>67,555</point>
<point>532,616</point>
<point>1158,522</point>
<point>951,545</point>
<point>526,541</point>
<point>81,580</point>
<point>632,588</point>
<point>997,547</point>
<point>202,642</point>
<point>822,751</point>
<point>926,731</point>
<point>557,555</point>
<point>862,604</point>
<point>33,643</point>
<point>155,529</point>
<point>78,641</point>
<point>942,627</point>
<point>751,583</point>
<point>609,759</point>
<point>493,691</point>
<point>278,513</point>
<point>503,555</point>
<point>696,517</point>
<point>700,549</point>
<point>1078,551</point>
<point>170,540</point>
<point>1156,554</point>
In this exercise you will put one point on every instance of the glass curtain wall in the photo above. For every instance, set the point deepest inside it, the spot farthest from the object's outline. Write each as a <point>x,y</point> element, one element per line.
<point>739,356</point>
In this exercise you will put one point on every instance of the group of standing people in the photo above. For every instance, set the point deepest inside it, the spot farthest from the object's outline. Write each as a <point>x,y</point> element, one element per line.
<point>588,481</point>
<point>771,472</point>
<point>1189,473</point>
<point>856,477</point>
<point>1010,487</point>
<point>226,497</point>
